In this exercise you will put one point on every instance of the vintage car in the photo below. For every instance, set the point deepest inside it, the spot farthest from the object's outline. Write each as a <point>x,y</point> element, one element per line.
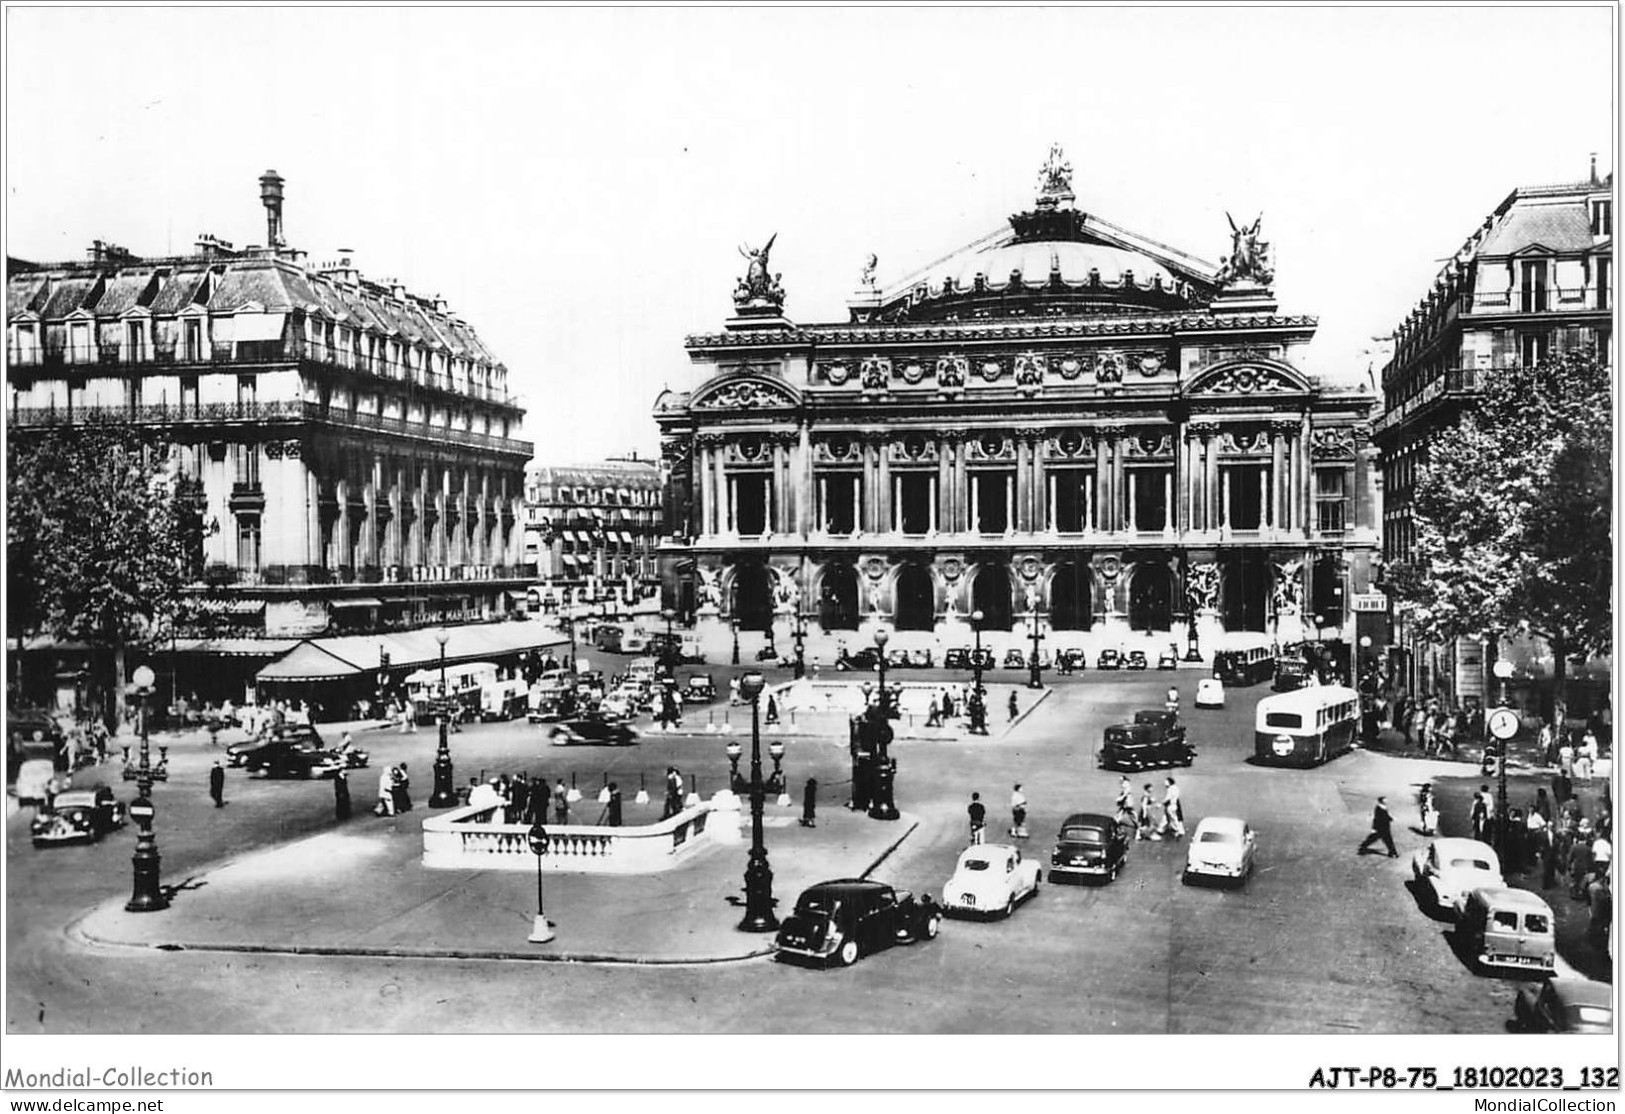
<point>1451,868</point>
<point>956,657</point>
<point>1509,929</point>
<point>1072,659</point>
<point>1290,674</point>
<point>1210,693</point>
<point>836,922</point>
<point>1221,847</point>
<point>699,690</point>
<point>921,659</point>
<point>1168,659</point>
<point>1015,659</point>
<point>1154,740</point>
<point>79,816</point>
<point>296,751</point>
<point>990,880</point>
<point>590,682</point>
<point>899,659</point>
<point>623,703</point>
<point>592,731</point>
<point>1109,659</point>
<point>1565,1005</point>
<point>635,641</point>
<point>867,658</point>
<point>1089,845</point>
<point>1135,660</point>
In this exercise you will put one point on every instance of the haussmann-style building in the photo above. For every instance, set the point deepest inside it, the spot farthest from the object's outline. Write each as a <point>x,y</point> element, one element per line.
<point>1064,422</point>
<point>1533,279</point>
<point>353,447</point>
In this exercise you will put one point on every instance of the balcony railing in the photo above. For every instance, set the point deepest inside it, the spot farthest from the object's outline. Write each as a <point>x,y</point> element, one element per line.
<point>1547,299</point>
<point>282,410</point>
<point>296,576</point>
<point>1451,381</point>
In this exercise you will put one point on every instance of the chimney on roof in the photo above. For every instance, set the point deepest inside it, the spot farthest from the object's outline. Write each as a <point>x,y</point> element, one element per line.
<point>105,251</point>
<point>397,289</point>
<point>271,198</point>
<point>440,304</point>
<point>212,246</point>
<point>1593,168</point>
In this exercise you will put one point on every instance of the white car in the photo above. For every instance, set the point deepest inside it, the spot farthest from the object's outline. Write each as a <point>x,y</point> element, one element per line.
<point>1453,868</point>
<point>1221,847</point>
<point>1210,693</point>
<point>990,879</point>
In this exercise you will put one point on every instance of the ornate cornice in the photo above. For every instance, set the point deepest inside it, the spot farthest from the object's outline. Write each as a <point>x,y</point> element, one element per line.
<point>960,333</point>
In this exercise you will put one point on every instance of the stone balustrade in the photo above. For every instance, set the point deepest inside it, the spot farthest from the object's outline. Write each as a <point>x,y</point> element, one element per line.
<point>465,839</point>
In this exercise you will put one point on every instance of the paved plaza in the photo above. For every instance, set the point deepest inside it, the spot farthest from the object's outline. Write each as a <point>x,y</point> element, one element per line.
<point>340,929</point>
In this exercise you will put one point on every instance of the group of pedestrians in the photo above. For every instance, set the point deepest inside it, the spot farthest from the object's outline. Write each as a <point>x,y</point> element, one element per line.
<point>977,812</point>
<point>1150,819</point>
<point>394,791</point>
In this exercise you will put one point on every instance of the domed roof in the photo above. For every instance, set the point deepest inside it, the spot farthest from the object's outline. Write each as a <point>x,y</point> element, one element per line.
<point>1076,264</point>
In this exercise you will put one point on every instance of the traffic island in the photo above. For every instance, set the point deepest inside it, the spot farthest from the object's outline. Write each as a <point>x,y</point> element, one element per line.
<point>365,892</point>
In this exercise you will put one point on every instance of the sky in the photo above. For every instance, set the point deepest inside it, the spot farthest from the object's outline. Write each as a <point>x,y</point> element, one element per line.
<point>577,182</point>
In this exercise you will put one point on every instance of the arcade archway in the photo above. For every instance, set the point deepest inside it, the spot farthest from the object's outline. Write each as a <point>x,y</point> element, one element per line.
<point>753,597</point>
<point>990,594</point>
<point>916,599</point>
<point>1070,602</point>
<point>1150,597</point>
<point>838,598</point>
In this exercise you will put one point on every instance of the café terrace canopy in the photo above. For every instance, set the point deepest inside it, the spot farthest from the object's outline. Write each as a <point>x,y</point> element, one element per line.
<point>331,659</point>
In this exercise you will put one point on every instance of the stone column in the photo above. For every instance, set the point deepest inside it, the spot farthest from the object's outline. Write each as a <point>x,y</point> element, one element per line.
<point>1224,502</point>
<point>1168,504</point>
<point>959,482</point>
<point>1103,504</point>
<point>1277,464</point>
<point>931,504</point>
<point>1359,504</point>
<point>1264,497</point>
<point>883,488</point>
<point>1023,496</point>
<point>1210,485</point>
<point>804,479</point>
<point>942,511</point>
<point>1009,502</point>
<point>974,522</point>
<point>1049,505</point>
<point>870,507</point>
<point>1119,481</point>
<point>1306,485</point>
<point>821,511</point>
<point>1131,519</point>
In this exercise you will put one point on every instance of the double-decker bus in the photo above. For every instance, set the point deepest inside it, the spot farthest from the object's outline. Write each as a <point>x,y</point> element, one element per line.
<point>1306,727</point>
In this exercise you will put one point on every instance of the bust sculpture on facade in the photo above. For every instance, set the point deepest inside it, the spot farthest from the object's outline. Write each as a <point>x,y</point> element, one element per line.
<point>1248,261</point>
<point>758,287</point>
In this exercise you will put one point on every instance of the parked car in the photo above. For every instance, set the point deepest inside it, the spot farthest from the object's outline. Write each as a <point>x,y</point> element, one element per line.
<point>984,656</point>
<point>867,658</point>
<point>836,922</point>
<point>1089,845</point>
<point>1135,660</point>
<point>592,731</point>
<point>79,816</point>
<point>921,659</point>
<point>1155,739</point>
<point>1168,659</point>
<point>1072,659</point>
<point>699,690</point>
<point>899,659</point>
<point>1015,659</point>
<point>1565,1005</point>
<point>1221,847</point>
<point>1210,693</point>
<point>1109,659</point>
<point>991,879</point>
<point>1451,868</point>
<point>956,657</point>
<point>1511,929</point>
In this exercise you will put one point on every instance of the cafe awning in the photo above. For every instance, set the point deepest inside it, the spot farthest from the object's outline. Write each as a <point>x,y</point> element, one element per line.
<point>308,661</point>
<point>357,602</point>
<point>231,607</point>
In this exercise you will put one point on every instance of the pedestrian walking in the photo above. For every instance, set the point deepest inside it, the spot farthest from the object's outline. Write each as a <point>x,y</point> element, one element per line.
<point>1018,813</point>
<point>341,795</point>
<point>1601,899</point>
<point>1014,711</point>
<point>809,804</point>
<point>978,817</point>
<point>519,795</point>
<point>1479,817</point>
<point>1562,788</point>
<point>1173,810</point>
<point>1565,757</point>
<point>1172,702</point>
<point>561,803</point>
<point>933,716</point>
<point>386,792</point>
<point>674,793</point>
<point>1381,829</point>
<point>1428,809</point>
<point>1586,759</point>
<point>772,714</point>
<point>1148,805</point>
<point>1542,806</point>
<point>1546,740</point>
<point>401,789</point>
<point>948,705</point>
<point>612,810</point>
<point>217,785</point>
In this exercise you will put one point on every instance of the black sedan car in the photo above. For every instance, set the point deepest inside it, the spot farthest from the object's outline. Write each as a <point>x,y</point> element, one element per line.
<point>1072,659</point>
<point>1145,746</point>
<point>836,922</point>
<point>1135,660</point>
<point>1015,659</point>
<point>592,731</point>
<point>1565,1005</point>
<point>956,657</point>
<point>1109,659</point>
<point>79,816</point>
<point>1089,846</point>
<point>867,658</point>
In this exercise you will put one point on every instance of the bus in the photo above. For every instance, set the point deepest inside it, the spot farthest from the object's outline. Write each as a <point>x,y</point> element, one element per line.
<point>1244,666</point>
<point>1306,727</point>
<point>463,684</point>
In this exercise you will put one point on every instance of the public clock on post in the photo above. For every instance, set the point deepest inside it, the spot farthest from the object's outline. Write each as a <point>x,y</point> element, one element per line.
<point>1502,723</point>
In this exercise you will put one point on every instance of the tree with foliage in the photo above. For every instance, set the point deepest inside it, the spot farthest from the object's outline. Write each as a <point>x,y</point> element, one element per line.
<point>1513,514</point>
<point>98,544</point>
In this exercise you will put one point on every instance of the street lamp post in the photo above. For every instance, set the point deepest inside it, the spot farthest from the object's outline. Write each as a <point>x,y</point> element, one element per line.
<point>1503,671</point>
<point>444,796</point>
<point>758,875</point>
<point>734,623</point>
<point>1193,647</point>
<point>1368,699</point>
<point>1034,680</point>
<point>881,637</point>
<point>541,930</point>
<point>147,894</point>
<point>801,645</point>
<point>670,654</point>
<point>978,705</point>
<point>734,750</point>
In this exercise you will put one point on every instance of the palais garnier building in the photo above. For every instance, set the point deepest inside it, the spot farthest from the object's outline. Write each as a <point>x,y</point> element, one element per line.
<point>1063,423</point>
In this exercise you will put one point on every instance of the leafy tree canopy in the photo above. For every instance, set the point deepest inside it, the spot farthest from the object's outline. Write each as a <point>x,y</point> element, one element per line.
<point>1513,512</point>
<point>97,542</point>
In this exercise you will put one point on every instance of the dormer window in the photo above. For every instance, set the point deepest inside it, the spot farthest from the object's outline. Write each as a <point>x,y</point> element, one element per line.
<point>1602,216</point>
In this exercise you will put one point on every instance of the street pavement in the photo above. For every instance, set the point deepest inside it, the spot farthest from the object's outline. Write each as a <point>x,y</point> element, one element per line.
<point>1321,940</point>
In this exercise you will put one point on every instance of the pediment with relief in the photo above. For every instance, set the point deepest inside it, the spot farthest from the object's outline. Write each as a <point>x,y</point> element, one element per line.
<point>1248,377</point>
<point>752,392</point>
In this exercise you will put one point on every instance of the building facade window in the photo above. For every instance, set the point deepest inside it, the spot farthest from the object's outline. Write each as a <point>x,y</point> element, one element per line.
<point>1072,492</point>
<point>1148,493</point>
<point>1533,348</point>
<point>1331,500</point>
<point>915,491</point>
<point>248,543</point>
<point>1245,491</point>
<point>991,494</point>
<point>751,494</point>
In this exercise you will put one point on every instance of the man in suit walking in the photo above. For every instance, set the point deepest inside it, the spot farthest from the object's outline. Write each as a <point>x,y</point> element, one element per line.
<point>1381,829</point>
<point>217,785</point>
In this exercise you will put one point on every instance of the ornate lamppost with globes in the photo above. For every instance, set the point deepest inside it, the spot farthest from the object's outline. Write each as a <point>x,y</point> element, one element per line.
<point>734,623</point>
<point>977,703</point>
<point>882,806</point>
<point>801,645</point>
<point>758,875</point>
<point>444,796</point>
<point>670,655</point>
<point>1034,680</point>
<point>147,895</point>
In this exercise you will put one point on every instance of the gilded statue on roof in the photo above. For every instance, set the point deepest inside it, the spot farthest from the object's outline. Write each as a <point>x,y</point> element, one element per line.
<point>758,286</point>
<point>1248,260</point>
